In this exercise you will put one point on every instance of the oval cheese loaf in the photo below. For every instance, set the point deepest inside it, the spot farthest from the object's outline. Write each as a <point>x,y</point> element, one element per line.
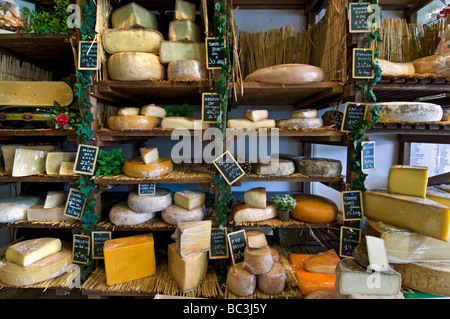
<point>150,203</point>
<point>153,110</point>
<point>179,122</point>
<point>287,74</point>
<point>407,112</point>
<point>121,215</point>
<point>437,64</point>
<point>396,69</point>
<point>135,66</point>
<point>133,16</point>
<point>315,166</point>
<point>312,208</point>
<point>240,282</point>
<point>15,208</point>
<point>186,70</point>
<point>274,281</point>
<point>300,123</point>
<point>245,213</point>
<point>131,40</point>
<point>282,167</point>
<point>257,260</point>
<point>137,168</point>
<point>175,214</point>
<point>132,122</point>
<point>26,252</point>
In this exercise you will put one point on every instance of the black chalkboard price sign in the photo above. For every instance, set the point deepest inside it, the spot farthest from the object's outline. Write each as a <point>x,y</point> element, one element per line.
<point>358,17</point>
<point>215,57</point>
<point>352,113</point>
<point>352,205</point>
<point>210,107</point>
<point>219,245</point>
<point>86,159</point>
<point>228,167</point>
<point>88,55</point>
<point>237,241</point>
<point>349,239</point>
<point>81,248</point>
<point>147,189</point>
<point>368,156</point>
<point>363,60</point>
<point>74,204</point>
<point>98,239</point>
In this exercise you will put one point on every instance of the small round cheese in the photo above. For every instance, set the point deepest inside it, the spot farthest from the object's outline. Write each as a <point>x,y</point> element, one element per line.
<point>324,167</point>
<point>312,208</point>
<point>257,260</point>
<point>153,110</point>
<point>274,281</point>
<point>135,66</point>
<point>175,214</point>
<point>121,215</point>
<point>240,281</point>
<point>301,123</point>
<point>137,168</point>
<point>186,70</point>
<point>307,113</point>
<point>150,203</point>
<point>129,111</point>
<point>132,122</point>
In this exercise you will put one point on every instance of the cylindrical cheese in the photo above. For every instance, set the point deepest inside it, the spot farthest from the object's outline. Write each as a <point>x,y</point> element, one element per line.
<point>257,260</point>
<point>135,66</point>
<point>287,74</point>
<point>121,215</point>
<point>240,281</point>
<point>312,208</point>
<point>131,40</point>
<point>282,167</point>
<point>406,112</point>
<point>150,203</point>
<point>129,111</point>
<point>137,168</point>
<point>175,214</point>
<point>396,69</point>
<point>323,167</point>
<point>249,124</point>
<point>179,122</point>
<point>307,113</point>
<point>274,281</point>
<point>186,70</point>
<point>132,122</point>
<point>300,123</point>
<point>153,110</point>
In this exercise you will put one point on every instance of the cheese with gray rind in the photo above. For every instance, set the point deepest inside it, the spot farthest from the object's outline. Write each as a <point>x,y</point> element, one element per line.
<point>131,40</point>
<point>121,215</point>
<point>135,66</point>
<point>300,123</point>
<point>56,198</point>
<point>186,70</point>
<point>133,16</point>
<point>280,167</point>
<point>315,166</point>
<point>406,112</point>
<point>150,203</point>
<point>175,214</point>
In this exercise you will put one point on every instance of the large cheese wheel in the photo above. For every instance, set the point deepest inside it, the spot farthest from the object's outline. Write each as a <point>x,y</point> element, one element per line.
<point>301,123</point>
<point>240,281</point>
<point>282,167</point>
<point>175,214</point>
<point>249,124</point>
<point>438,64</point>
<point>274,281</point>
<point>287,74</point>
<point>306,113</point>
<point>121,215</point>
<point>133,16</point>
<point>245,213</point>
<point>257,260</point>
<point>312,208</point>
<point>131,40</point>
<point>15,208</point>
<point>150,203</point>
<point>137,168</point>
<point>186,70</point>
<point>179,122</point>
<point>407,112</point>
<point>135,66</point>
<point>314,166</point>
<point>396,69</point>
<point>132,122</point>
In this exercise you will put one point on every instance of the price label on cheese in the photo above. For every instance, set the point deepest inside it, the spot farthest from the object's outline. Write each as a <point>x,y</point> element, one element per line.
<point>74,204</point>
<point>219,246</point>
<point>368,156</point>
<point>237,241</point>
<point>98,239</point>
<point>81,248</point>
<point>358,17</point>
<point>349,239</point>
<point>215,57</point>
<point>352,205</point>
<point>88,55</point>
<point>229,168</point>
<point>363,60</point>
<point>86,159</point>
<point>210,107</point>
<point>352,114</point>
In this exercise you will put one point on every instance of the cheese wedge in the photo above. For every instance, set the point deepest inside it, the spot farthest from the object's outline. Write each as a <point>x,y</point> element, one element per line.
<point>408,180</point>
<point>193,237</point>
<point>256,197</point>
<point>55,198</point>
<point>181,50</point>
<point>9,152</point>
<point>137,168</point>
<point>322,263</point>
<point>184,30</point>
<point>395,69</point>
<point>28,162</point>
<point>187,70</point>
<point>371,253</point>
<point>256,240</point>
<point>184,10</point>
<point>66,169</point>
<point>256,115</point>
<point>26,252</point>
<point>54,160</point>
<point>149,154</point>
<point>249,124</point>
<point>306,113</point>
<point>133,16</point>
<point>54,214</point>
<point>153,110</point>
<point>245,213</point>
<point>189,199</point>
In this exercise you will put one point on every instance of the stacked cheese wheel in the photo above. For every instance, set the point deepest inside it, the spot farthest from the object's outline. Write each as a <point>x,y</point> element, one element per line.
<point>302,119</point>
<point>255,207</point>
<point>149,165</point>
<point>33,261</point>
<point>189,205</point>
<point>254,119</point>
<point>261,268</point>
<point>135,118</point>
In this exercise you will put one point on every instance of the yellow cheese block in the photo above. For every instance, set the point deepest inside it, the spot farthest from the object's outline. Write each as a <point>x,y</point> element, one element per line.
<point>35,93</point>
<point>66,169</point>
<point>182,50</point>
<point>135,66</point>
<point>193,237</point>
<point>137,168</point>
<point>189,199</point>
<point>131,40</point>
<point>408,180</point>
<point>129,258</point>
<point>438,195</point>
<point>28,162</point>
<point>417,214</point>
<point>54,160</point>
<point>132,122</point>
<point>389,68</point>
<point>9,152</point>
<point>26,252</point>
<point>149,154</point>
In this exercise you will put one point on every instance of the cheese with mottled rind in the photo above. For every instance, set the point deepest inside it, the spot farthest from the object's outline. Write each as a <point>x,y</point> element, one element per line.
<point>175,214</point>
<point>28,162</point>
<point>136,66</point>
<point>408,180</point>
<point>249,124</point>
<point>26,252</point>
<point>189,199</point>
<point>184,30</point>
<point>121,215</point>
<point>240,281</point>
<point>131,40</point>
<point>182,50</point>
<point>133,16</point>
<point>436,64</point>
<point>315,166</point>
<point>135,167</point>
<point>245,213</point>
<point>193,237</point>
<point>406,112</point>
<point>280,167</point>
<point>274,281</point>
<point>160,200</point>
<point>301,123</point>
<point>54,160</point>
<point>187,70</point>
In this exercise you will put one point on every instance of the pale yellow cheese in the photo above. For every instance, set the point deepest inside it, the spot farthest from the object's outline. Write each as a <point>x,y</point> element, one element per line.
<point>131,40</point>
<point>179,122</point>
<point>256,115</point>
<point>256,197</point>
<point>28,162</point>
<point>189,199</point>
<point>9,152</point>
<point>153,110</point>
<point>55,198</point>
<point>184,30</point>
<point>248,124</point>
<point>245,213</point>
<point>26,252</point>
<point>408,180</point>
<point>54,214</point>
<point>66,169</point>
<point>160,200</point>
<point>149,154</point>
<point>181,50</point>
<point>438,195</point>
<point>436,64</point>
<point>133,16</point>
<point>187,70</point>
<point>257,240</point>
<point>132,122</point>
<point>292,73</point>
<point>135,66</point>
<point>184,10</point>
<point>175,214</point>
<point>54,160</point>
<point>129,111</point>
<point>192,237</point>
<point>394,69</point>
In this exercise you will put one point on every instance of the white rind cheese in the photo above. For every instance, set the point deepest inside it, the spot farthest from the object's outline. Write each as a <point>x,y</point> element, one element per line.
<point>245,213</point>
<point>184,30</point>
<point>153,110</point>
<point>407,112</point>
<point>256,197</point>
<point>26,252</point>
<point>280,167</point>
<point>135,66</point>
<point>181,50</point>
<point>300,123</point>
<point>150,203</point>
<point>15,208</point>
<point>175,214</point>
<point>121,215</point>
<point>133,16</point>
<point>307,113</point>
<point>29,162</point>
<point>187,70</point>
<point>131,40</point>
<point>256,115</point>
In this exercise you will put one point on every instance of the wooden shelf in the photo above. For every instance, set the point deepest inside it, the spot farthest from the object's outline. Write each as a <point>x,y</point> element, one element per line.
<point>291,223</point>
<point>439,128</point>
<point>38,179</point>
<point>76,224</point>
<point>36,134</point>
<point>296,177</point>
<point>323,134</point>
<point>156,224</point>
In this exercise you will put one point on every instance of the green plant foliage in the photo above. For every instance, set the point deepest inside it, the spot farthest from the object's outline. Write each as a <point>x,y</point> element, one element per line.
<point>285,202</point>
<point>184,111</point>
<point>110,163</point>
<point>44,21</point>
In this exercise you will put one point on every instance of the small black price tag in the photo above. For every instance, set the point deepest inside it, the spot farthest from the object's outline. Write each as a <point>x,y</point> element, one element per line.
<point>88,55</point>
<point>352,114</point>
<point>219,245</point>
<point>147,189</point>
<point>352,205</point>
<point>86,159</point>
<point>363,60</point>
<point>98,241</point>
<point>81,248</point>
<point>215,58</point>
<point>237,241</point>
<point>350,238</point>
<point>74,204</point>
<point>210,107</point>
<point>368,156</point>
<point>358,17</point>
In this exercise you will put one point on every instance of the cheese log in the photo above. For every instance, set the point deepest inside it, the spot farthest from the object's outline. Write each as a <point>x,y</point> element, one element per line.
<point>26,252</point>
<point>9,152</point>
<point>314,166</point>
<point>301,123</point>
<point>184,30</point>
<point>153,110</point>
<point>66,169</point>
<point>353,279</point>
<point>437,64</point>
<point>187,272</point>
<point>54,214</point>
<point>35,93</point>
<point>28,162</point>
<point>257,260</point>
<point>181,50</point>
<point>121,215</point>
<point>371,253</point>
<point>131,40</point>
<point>431,278</point>
<point>175,214</point>
<point>149,154</point>
<point>438,195</point>
<point>311,208</point>
<point>129,258</point>
<point>395,69</point>
<point>417,214</point>
<point>408,180</point>
<point>281,167</point>
<point>46,268</point>
<point>248,124</point>
<point>129,111</point>
<point>287,74</point>
<point>135,66</point>
<point>133,16</point>
<point>55,198</point>
<point>322,263</point>
<point>192,237</point>
<point>184,10</point>
<point>15,208</point>
<point>407,112</point>
<point>306,113</point>
<point>256,115</point>
<point>179,122</point>
<point>186,70</point>
<point>137,168</point>
<point>132,122</point>
<point>150,203</point>
<point>244,213</point>
<point>404,246</point>
<point>256,197</point>
<point>256,239</point>
<point>240,281</point>
<point>189,199</point>
<point>54,160</point>
<point>274,281</point>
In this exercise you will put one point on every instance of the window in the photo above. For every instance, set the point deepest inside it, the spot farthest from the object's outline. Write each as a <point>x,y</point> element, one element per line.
<point>435,156</point>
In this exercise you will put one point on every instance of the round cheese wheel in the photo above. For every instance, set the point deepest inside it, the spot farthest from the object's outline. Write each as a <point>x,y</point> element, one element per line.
<point>287,74</point>
<point>135,66</point>
<point>282,167</point>
<point>245,213</point>
<point>312,208</point>
<point>121,215</point>
<point>186,70</point>
<point>240,281</point>
<point>179,122</point>
<point>132,122</point>
<point>15,208</point>
<point>175,214</point>
<point>407,112</point>
<point>150,203</point>
<point>323,167</point>
<point>129,111</point>
<point>396,69</point>
<point>131,40</point>
<point>274,281</point>
<point>275,254</point>
<point>307,113</point>
<point>137,168</point>
<point>153,110</point>
<point>301,123</point>
<point>257,260</point>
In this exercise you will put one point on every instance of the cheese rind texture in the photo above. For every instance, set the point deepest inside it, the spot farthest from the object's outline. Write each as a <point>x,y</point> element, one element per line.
<point>137,168</point>
<point>257,260</point>
<point>256,115</point>
<point>274,281</point>
<point>280,167</point>
<point>28,162</point>
<point>184,30</point>
<point>187,70</point>
<point>313,208</point>
<point>132,122</point>
<point>240,281</point>
<point>256,197</point>
<point>408,180</point>
<point>153,110</point>
<point>129,111</point>
<point>193,237</point>
<point>131,40</point>
<point>121,215</point>
<point>179,122</point>
<point>135,66</point>
<point>55,198</point>
<point>175,214</point>
<point>306,113</point>
<point>287,74</point>
<point>189,199</point>
<point>301,123</point>
<point>133,16</point>
<point>389,68</point>
<point>26,252</point>
<point>181,50</point>
<point>15,208</point>
<point>407,112</point>
<point>436,64</point>
<point>244,213</point>
<point>54,160</point>
<point>66,169</point>
<point>150,203</point>
<point>9,152</point>
<point>314,166</point>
